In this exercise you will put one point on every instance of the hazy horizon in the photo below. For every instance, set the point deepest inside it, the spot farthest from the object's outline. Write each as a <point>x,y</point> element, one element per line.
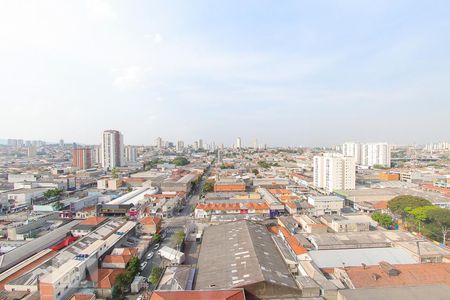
<point>291,73</point>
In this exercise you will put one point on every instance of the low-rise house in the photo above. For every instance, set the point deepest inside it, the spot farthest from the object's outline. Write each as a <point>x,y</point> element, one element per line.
<point>326,205</point>
<point>87,225</point>
<point>350,223</point>
<point>119,258</point>
<point>310,225</point>
<point>104,281</point>
<point>151,225</point>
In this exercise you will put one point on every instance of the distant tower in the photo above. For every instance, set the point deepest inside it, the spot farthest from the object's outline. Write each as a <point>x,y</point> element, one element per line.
<point>112,149</point>
<point>255,145</point>
<point>159,143</point>
<point>180,146</point>
<point>61,143</point>
<point>238,143</point>
<point>200,144</point>
<point>31,151</point>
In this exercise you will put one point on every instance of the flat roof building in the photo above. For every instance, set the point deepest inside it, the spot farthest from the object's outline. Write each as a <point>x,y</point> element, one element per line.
<point>242,254</point>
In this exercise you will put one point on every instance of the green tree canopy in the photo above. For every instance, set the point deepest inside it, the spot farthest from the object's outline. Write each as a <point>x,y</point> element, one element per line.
<point>384,220</point>
<point>155,275</point>
<point>421,213</point>
<point>208,187</point>
<point>52,193</point>
<point>441,217</point>
<point>399,204</point>
<point>180,161</point>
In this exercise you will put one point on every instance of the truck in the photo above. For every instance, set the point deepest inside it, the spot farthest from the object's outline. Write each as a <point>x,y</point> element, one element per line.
<point>173,255</point>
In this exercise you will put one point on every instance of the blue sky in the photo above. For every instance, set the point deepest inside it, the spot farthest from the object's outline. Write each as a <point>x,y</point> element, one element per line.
<point>284,72</point>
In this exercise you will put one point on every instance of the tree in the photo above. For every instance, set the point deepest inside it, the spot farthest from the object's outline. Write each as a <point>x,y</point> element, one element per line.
<point>157,238</point>
<point>155,275</point>
<point>115,173</point>
<point>180,161</point>
<point>208,187</point>
<point>441,217</point>
<point>52,193</point>
<point>422,213</point>
<point>255,171</point>
<point>57,205</point>
<point>133,266</point>
<point>399,204</point>
<point>384,220</point>
<point>179,237</point>
<point>378,166</point>
<point>264,164</point>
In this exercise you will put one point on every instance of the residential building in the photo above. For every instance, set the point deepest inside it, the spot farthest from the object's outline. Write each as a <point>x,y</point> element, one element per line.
<point>352,149</point>
<point>326,205</point>
<point>373,154</point>
<point>334,171</point>
<point>151,225</point>
<point>130,154</point>
<point>82,158</point>
<point>112,149</point>
<point>180,146</point>
<point>238,143</point>
<point>368,154</point>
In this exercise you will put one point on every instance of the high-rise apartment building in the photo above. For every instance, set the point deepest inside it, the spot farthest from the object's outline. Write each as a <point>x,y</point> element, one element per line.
<point>352,149</point>
<point>82,158</point>
<point>200,144</point>
<point>334,171</point>
<point>238,143</point>
<point>180,146</point>
<point>31,151</point>
<point>97,154</point>
<point>159,143</point>
<point>368,154</point>
<point>130,154</point>
<point>112,149</point>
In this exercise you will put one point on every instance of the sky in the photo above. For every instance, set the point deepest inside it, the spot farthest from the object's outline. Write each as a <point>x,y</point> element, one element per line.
<point>287,73</point>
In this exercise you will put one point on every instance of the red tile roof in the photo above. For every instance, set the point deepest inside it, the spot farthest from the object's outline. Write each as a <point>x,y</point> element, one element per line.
<point>150,220</point>
<point>93,221</point>
<point>412,274</point>
<point>199,295</point>
<point>105,278</point>
<point>292,241</point>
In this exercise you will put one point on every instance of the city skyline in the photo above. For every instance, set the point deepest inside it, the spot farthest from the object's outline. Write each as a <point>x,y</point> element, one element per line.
<point>363,71</point>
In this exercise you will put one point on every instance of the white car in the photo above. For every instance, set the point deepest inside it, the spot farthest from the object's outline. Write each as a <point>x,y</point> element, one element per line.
<point>150,255</point>
<point>139,298</point>
<point>143,265</point>
<point>156,247</point>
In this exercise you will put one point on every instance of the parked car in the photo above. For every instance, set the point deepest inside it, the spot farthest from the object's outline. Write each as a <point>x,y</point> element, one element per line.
<point>156,247</point>
<point>150,255</point>
<point>143,265</point>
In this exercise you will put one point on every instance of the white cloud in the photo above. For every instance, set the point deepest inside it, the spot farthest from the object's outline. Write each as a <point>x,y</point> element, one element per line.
<point>156,38</point>
<point>130,78</point>
<point>100,10</point>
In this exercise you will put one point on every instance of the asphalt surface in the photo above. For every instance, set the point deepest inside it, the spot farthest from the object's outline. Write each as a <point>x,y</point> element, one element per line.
<point>172,225</point>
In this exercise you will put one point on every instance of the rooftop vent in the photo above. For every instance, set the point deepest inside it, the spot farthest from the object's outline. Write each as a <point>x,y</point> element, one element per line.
<point>389,269</point>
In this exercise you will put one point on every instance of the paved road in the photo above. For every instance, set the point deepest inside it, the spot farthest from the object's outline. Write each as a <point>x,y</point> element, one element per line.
<point>173,225</point>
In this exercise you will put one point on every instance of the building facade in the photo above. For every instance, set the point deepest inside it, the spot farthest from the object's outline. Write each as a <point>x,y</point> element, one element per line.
<point>112,149</point>
<point>82,158</point>
<point>334,171</point>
